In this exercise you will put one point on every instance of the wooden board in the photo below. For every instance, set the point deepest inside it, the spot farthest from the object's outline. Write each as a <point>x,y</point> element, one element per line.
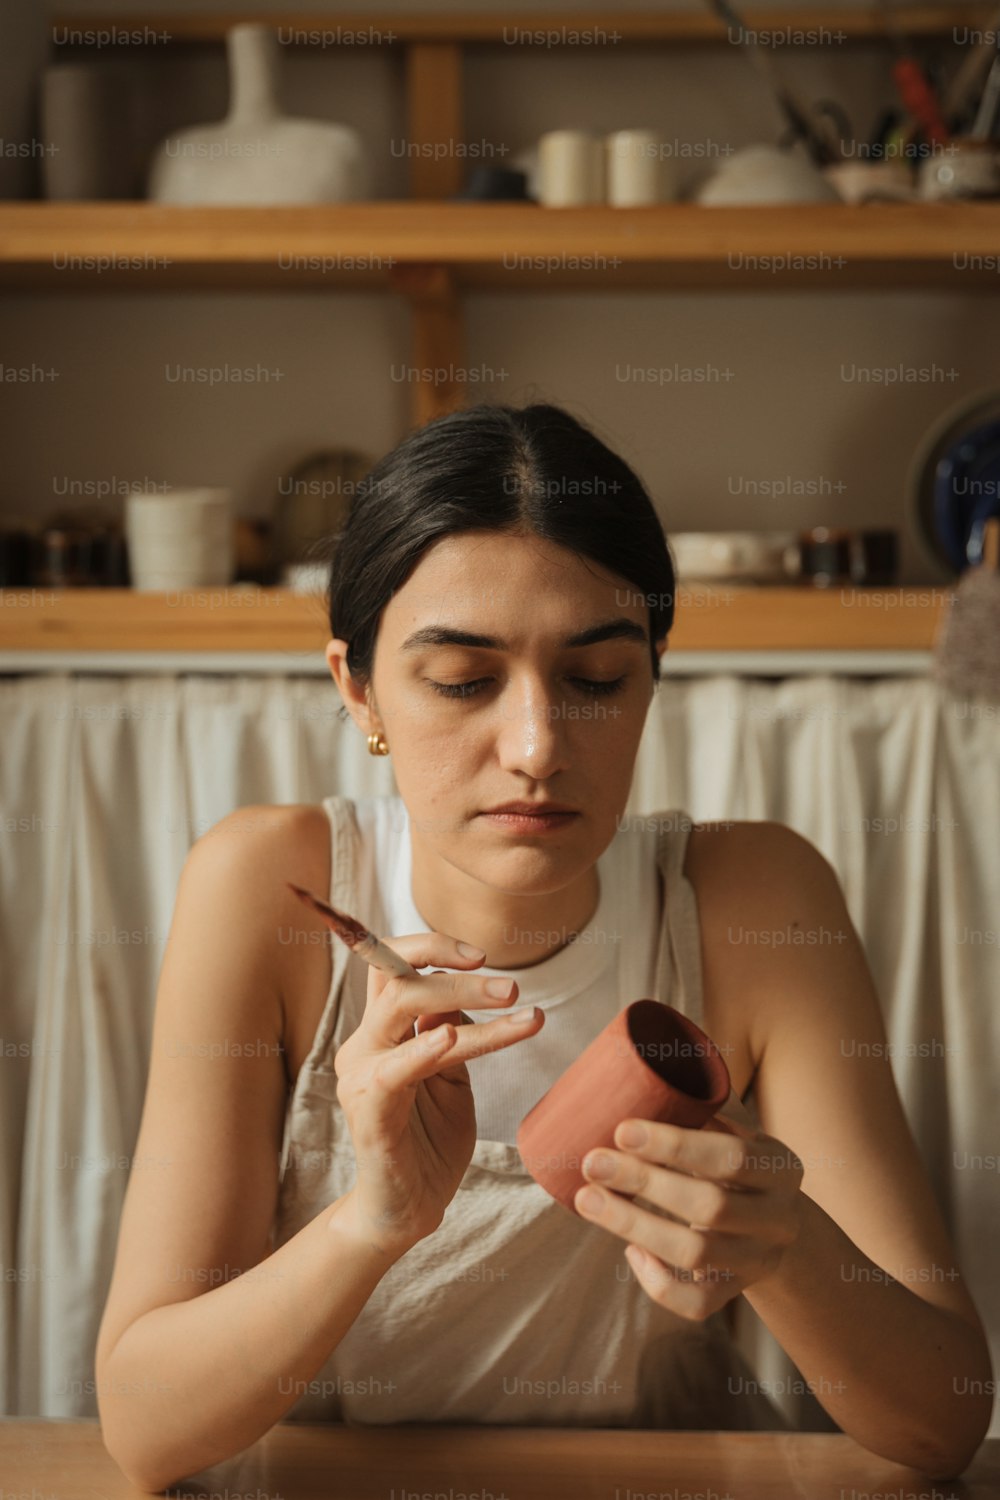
<point>502,246</point>
<point>328,28</point>
<point>247,618</point>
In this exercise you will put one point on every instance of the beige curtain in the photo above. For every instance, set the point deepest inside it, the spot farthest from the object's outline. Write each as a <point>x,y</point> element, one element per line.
<point>105,782</point>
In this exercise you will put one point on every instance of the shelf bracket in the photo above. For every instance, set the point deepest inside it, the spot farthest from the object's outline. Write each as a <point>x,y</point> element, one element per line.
<point>434,118</point>
<point>437,341</point>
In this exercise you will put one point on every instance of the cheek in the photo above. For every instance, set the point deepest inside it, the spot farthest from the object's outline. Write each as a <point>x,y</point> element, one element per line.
<point>434,769</point>
<point>617,721</point>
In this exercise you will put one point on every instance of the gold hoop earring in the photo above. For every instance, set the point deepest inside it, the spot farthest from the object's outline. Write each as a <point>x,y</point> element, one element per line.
<point>376,744</point>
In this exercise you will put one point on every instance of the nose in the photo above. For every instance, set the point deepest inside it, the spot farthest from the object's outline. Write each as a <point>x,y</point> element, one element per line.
<point>532,735</point>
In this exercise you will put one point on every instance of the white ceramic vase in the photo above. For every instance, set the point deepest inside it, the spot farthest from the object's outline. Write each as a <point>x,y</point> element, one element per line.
<point>257,154</point>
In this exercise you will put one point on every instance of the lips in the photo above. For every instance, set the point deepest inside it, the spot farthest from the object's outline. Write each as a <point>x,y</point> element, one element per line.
<point>531,809</point>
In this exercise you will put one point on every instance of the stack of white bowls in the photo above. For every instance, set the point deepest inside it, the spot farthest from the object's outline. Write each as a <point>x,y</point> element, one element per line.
<point>182,539</point>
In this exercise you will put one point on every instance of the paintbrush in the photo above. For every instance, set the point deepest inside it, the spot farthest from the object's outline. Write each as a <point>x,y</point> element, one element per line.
<point>366,945</point>
<point>985,121</point>
<point>961,91</point>
<point>967,649</point>
<point>357,937</point>
<point>915,92</point>
<point>812,129</point>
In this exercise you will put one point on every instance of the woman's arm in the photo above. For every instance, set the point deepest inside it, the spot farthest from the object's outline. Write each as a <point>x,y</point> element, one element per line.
<point>193,1382</point>
<point>902,1365</point>
<point>206,1339</point>
<point>905,1378</point>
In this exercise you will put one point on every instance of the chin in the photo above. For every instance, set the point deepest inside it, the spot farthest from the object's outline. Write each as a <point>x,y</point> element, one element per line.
<point>537,868</point>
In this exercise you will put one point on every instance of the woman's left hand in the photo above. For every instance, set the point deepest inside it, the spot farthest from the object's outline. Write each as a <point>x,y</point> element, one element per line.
<point>732,1200</point>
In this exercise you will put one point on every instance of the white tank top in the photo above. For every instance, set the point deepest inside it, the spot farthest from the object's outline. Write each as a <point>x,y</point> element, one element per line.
<point>580,987</point>
<point>515,1311</point>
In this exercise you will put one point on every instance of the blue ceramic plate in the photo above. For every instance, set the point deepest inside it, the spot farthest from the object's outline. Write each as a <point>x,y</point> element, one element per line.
<point>967,493</point>
<point>949,513</point>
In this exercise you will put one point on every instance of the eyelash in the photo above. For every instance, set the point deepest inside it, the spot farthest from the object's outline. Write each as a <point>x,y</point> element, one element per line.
<point>471,689</point>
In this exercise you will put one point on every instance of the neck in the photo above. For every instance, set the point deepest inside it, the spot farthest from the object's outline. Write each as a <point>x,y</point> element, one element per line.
<point>515,930</point>
<point>253,72</point>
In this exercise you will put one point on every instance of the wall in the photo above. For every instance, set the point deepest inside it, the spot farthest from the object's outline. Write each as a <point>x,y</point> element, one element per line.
<point>23,46</point>
<point>716,451</point>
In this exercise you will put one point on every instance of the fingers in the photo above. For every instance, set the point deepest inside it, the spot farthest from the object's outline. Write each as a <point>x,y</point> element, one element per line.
<point>394,1004</point>
<point>414,1060</point>
<point>723,1156</point>
<point>691,1200</point>
<point>427,1021</point>
<point>475,1040</point>
<point>690,1251</point>
<point>448,1046</point>
<point>421,949</point>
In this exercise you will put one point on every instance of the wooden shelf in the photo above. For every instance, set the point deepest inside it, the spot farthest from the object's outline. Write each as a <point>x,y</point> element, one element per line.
<point>247,618</point>
<point>498,246</point>
<point>387,28</point>
<point>237,618</point>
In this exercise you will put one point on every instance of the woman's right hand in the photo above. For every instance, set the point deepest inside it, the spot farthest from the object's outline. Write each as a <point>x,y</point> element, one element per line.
<point>407,1098</point>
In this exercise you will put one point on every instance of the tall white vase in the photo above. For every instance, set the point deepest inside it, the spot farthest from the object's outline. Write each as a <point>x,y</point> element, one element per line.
<point>257,154</point>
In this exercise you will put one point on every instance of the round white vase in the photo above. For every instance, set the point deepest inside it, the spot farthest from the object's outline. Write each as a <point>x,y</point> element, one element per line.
<point>257,154</point>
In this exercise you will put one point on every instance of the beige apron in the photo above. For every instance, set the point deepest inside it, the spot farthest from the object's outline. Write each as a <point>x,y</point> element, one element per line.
<point>514,1311</point>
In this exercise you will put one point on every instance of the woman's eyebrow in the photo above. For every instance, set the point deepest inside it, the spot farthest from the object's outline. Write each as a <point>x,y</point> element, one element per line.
<point>448,635</point>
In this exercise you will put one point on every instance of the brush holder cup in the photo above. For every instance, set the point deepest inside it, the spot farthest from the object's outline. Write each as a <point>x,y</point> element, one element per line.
<point>649,1063</point>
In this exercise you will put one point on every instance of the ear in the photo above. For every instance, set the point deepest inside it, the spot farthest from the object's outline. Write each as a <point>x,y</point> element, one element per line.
<point>355,696</point>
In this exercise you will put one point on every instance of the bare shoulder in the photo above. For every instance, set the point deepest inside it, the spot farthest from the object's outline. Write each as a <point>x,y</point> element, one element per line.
<point>742,854</point>
<point>247,839</point>
<point>259,826</point>
<point>253,851</point>
<point>760,886</point>
<point>249,857</point>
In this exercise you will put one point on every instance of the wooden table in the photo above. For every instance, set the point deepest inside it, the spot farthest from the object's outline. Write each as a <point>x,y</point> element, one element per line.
<point>66,1460</point>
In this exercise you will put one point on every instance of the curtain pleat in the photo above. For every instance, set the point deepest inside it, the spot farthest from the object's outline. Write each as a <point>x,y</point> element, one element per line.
<point>105,782</point>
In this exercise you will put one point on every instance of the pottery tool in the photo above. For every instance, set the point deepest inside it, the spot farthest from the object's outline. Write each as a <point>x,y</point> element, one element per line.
<point>967,649</point>
<point>357,937</point>
<point>888,122</point>
<point>915,92</point>
<point>374,952</point>
<point>812,129</point>
<point>968,80</point>
<point>986,114</point>
<point>892,135</point>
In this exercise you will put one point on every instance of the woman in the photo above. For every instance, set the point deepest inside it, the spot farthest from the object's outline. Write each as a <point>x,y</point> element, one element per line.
<point>340,1223</point>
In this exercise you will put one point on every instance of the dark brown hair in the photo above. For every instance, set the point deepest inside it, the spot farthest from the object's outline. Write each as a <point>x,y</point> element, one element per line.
<point>516,470</point>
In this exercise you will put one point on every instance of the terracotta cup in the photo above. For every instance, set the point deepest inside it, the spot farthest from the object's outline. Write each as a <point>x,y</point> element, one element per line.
<point>649,1063</point>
